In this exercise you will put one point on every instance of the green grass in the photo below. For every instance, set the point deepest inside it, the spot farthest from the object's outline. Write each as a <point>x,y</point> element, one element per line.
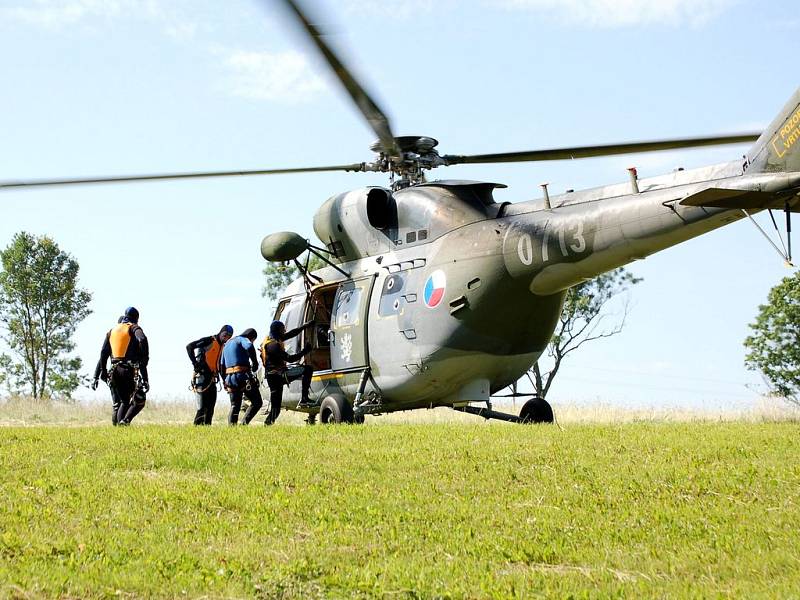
<point>454,510</point>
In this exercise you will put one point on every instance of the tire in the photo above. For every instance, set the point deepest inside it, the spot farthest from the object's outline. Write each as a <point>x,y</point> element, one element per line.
<point>536,410</point>
<point>335,409</point>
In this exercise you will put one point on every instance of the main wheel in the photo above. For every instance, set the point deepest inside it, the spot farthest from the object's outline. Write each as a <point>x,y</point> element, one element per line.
<point>335,409</point>
<point>536,410</point>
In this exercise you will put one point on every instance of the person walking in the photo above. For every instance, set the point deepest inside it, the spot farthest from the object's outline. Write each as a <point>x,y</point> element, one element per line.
<point>238,366</point>
<point>205,355</point>
<point>127,347</point>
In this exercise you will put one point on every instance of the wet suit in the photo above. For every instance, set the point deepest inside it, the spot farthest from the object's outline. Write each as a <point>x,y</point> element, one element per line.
<point>278,373</point>
<point>205,356</point>
<point>239,363</point>
<point>126,345</point>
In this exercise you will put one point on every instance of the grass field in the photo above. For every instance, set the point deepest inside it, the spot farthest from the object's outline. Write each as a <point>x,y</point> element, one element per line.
<point>402,510</point>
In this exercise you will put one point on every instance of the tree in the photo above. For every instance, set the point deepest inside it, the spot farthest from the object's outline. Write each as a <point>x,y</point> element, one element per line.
<point>585,310</point>
<point>279,275</point>
<point>40,307</point>
<point>775,342</point>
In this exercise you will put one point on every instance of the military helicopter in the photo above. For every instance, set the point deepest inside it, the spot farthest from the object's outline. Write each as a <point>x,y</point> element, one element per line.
<point>434,294</point>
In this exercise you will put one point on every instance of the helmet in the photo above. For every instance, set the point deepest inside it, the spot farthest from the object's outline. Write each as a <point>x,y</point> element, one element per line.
<point>250,334</point>
<point>131,314</point>
<point>276,330</point>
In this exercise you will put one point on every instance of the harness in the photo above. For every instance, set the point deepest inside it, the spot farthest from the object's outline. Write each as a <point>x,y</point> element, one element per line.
<point>196,385</point>
<point>250,381</point>
<point>210,355</point>
<point>134,366</point>
<point>270,369</point>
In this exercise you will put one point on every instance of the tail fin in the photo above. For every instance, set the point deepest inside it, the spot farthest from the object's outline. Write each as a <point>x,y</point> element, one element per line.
<point>778,148</point>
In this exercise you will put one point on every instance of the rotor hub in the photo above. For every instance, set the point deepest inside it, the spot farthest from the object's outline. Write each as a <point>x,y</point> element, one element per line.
<point>418,155</point>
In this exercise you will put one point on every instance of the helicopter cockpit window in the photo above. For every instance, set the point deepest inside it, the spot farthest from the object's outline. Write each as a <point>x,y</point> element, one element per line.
<point>292,316</point>
<point>346,309</point>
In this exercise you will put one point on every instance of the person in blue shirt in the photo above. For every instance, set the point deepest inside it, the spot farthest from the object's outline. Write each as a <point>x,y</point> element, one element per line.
<point>239,365</point>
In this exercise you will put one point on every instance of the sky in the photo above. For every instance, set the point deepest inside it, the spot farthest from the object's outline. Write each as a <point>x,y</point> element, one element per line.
<point>106,87</point>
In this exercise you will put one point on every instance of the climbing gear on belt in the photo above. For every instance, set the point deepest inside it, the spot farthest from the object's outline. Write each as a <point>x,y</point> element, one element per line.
<point>201,382</point>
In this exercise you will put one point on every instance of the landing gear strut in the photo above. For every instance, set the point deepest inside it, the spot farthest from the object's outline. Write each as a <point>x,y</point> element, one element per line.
<point>535,410</point>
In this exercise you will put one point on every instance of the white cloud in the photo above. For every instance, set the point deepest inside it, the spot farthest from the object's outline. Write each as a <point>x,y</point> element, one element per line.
<point>54,14</point>
<point>395,10</point>
<point>624,13</point>
<point>59,14</point>
<point>286,76</point>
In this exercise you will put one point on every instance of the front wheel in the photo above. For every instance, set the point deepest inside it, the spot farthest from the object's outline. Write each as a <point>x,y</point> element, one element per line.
<point>335,409</point>
<point>536,410</point>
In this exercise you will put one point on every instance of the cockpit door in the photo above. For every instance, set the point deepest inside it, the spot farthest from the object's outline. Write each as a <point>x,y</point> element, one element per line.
<point>348,332</point>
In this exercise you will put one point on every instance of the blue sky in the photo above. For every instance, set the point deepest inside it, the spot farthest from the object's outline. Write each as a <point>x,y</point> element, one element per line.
<point>94,87</point>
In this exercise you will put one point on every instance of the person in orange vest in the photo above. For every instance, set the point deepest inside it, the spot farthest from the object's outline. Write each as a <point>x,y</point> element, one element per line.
<point>126,345</point>
<point>205,355</point>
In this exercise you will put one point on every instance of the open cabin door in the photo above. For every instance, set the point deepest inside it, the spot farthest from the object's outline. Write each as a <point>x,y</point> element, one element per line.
<point>348,331</point>
<point>290,311</point>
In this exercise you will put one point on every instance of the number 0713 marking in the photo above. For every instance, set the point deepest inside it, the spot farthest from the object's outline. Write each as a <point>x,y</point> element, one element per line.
<point>570,240</point>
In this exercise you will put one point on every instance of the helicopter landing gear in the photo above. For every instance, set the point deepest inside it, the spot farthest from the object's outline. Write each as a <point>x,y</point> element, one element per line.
<point>335,409</point>
<point>311,419</point>
<point>536,410</point>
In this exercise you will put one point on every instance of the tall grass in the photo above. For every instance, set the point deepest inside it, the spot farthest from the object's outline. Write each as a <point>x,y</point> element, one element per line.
<point>692,510</point>
<point>20,411</point>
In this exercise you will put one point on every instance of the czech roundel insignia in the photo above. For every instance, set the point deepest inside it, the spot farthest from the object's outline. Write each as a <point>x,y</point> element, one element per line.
<point>434,289</point>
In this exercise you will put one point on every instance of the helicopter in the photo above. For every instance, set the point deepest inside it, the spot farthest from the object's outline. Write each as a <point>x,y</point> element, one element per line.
<point>434,294</point>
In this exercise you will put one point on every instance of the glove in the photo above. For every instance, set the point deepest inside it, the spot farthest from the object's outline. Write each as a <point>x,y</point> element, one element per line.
<point>145,386</point>
<point>94,384</point>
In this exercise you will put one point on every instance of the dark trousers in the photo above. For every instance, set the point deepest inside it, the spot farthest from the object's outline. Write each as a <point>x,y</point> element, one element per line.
<point>127,397</point>
<point>206,401</point>
<point>239,385</point>
<point>276,381</point>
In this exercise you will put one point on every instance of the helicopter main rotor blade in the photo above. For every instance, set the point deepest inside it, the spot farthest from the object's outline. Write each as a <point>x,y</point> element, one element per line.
<point>162,176</point>
<point>376,118</point>
<point>602,150</point>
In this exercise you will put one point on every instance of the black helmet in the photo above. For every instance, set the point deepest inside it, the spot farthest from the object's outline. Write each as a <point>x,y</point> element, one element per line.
<point>132,315</point>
